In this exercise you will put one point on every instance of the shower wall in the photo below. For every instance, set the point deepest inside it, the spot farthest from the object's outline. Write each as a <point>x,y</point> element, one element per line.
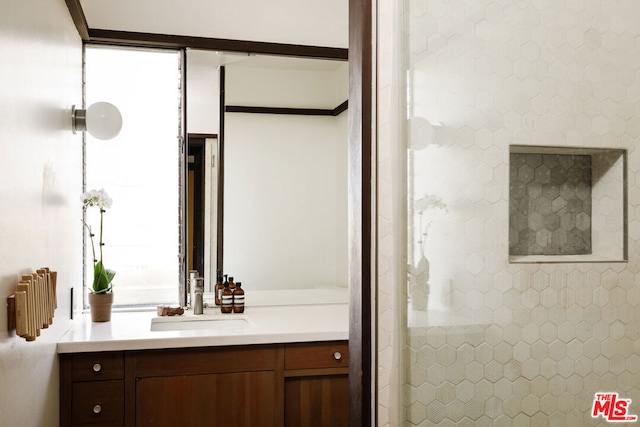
<point>466,336</point>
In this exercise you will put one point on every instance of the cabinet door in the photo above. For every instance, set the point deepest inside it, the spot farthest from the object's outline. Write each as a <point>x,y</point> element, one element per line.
<point>225,400</point>
<point>317,401</point>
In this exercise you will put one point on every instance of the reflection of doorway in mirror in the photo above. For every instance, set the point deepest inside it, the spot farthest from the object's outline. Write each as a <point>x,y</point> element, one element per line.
<point>211,167</point>
<point>202,206</point>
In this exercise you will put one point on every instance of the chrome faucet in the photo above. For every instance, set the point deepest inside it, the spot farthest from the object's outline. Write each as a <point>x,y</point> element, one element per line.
<point>198,303</point>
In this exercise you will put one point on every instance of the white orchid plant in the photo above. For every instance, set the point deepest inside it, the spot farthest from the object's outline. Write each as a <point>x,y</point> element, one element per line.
<point>102,277</point>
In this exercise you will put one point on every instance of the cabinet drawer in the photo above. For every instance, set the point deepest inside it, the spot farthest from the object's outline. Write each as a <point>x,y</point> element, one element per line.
<point>332,354</point>
<point>98,403</point>
<point>98,366</point>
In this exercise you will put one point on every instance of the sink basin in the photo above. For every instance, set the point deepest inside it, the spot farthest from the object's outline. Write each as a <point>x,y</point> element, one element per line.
<point>223,323</point>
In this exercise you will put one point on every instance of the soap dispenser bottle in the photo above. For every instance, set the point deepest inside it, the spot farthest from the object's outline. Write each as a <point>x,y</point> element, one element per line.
<point>218,289</point>
<point>232,284</point>
<point>226,299</point>
<point>238,298</point>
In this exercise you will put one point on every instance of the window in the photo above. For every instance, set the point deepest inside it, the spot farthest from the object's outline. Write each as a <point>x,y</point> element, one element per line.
<point>140,169</point>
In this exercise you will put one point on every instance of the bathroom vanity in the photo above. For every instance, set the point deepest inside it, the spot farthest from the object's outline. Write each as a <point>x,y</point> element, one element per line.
<point>274,366</point>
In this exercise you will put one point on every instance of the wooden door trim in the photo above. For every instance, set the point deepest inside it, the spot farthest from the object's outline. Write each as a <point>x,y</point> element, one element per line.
<point>362,230</point>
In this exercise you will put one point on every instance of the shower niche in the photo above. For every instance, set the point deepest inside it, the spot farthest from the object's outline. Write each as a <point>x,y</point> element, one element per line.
<point>567,204</point>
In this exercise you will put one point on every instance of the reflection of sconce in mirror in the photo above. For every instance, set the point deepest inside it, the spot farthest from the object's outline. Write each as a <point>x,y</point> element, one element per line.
<point>102,120</point>
<point>423,133</point>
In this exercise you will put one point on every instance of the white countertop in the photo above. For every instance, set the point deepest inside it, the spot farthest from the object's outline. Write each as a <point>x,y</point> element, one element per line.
<point>299,322</point>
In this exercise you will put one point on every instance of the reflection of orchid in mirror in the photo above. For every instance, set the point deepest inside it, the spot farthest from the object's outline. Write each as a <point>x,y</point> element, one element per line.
<point>422,205</point>
<point>418,274</point>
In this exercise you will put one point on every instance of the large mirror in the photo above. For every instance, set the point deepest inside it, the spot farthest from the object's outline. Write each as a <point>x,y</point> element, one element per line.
<point>268,169</point>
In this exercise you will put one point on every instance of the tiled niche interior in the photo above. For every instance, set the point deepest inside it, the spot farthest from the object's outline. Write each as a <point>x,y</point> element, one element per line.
<point>566,204</point>
<point>550,204</point>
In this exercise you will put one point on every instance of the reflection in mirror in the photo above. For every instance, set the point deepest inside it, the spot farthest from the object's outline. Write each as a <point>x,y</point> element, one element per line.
<point>282,168</point>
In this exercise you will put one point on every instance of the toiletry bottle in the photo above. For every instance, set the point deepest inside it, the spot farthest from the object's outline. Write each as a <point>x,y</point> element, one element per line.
<point>226,299</point>
<point>225,282</point>
<point>238,298</point>
<point>232,284</point>
<point>218,289</point>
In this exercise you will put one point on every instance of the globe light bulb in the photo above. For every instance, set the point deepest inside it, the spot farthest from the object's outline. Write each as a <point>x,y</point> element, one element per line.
<point>104,120</point>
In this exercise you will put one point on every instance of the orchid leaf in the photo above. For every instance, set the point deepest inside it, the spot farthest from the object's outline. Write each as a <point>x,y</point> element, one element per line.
<point>102,278</point>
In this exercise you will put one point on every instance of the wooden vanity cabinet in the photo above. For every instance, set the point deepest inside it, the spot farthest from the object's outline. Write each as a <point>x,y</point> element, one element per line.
<point>317,384</point>
<point>256,385</point>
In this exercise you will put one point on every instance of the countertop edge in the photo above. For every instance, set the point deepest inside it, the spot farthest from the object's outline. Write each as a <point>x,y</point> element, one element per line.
<point>268,325</point>
<point>200,341</point>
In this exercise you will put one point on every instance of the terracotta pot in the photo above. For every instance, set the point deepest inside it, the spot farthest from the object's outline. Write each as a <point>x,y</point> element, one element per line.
<point>100,306</point>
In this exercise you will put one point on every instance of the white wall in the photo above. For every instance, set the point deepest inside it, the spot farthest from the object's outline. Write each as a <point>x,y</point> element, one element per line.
<point>40,180</point>
<point>203,92</point>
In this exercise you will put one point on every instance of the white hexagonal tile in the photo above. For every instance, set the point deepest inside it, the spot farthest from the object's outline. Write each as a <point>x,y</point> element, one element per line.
<point>530,405</point>
<point>416,413</point>
<point>474,372</point>
<point>445,355</point>
<point>455,373</point>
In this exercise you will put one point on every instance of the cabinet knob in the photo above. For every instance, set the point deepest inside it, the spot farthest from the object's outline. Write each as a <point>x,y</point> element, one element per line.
<point>97,409</point>
<point>97,367</point>
<point>337,355</point>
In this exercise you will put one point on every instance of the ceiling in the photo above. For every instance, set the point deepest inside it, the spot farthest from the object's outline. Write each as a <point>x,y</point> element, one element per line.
<point>302,22</point>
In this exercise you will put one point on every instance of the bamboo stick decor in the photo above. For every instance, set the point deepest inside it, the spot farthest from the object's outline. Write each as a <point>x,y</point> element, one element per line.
<point>32,306</point>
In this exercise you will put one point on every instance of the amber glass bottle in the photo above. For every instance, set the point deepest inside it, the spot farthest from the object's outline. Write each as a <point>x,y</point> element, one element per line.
<point>238,298</point>
<point>218,289</point>
<point>232,284</point>
<point>226,299</point>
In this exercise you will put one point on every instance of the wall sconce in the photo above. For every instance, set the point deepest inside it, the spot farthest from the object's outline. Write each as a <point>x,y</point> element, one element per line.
<point>102,120</point>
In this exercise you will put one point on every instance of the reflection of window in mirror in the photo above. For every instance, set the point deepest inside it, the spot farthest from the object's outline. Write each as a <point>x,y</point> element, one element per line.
<point>139,169</point>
